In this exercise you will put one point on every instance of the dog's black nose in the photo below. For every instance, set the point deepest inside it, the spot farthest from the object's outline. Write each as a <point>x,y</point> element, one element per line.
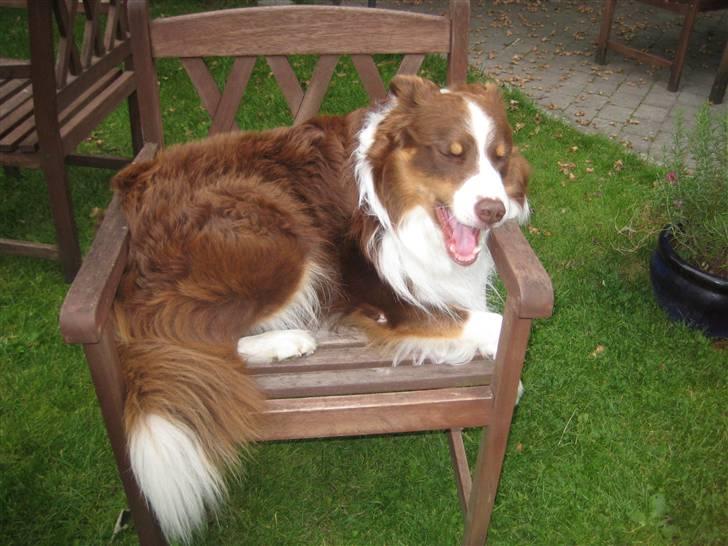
<point>490,211</point>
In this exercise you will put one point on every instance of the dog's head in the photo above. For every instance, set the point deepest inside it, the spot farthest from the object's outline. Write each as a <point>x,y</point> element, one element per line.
<point>448,152</point>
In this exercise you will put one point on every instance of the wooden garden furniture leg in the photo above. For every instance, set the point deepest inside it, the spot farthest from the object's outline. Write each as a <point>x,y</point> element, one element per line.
<point>59,194</point>
<point>49,136</point>
<point>682,48</point>
<point>463,479</point>
<point>486,475</point>
<point>105,367</point>
<point>607,19</point>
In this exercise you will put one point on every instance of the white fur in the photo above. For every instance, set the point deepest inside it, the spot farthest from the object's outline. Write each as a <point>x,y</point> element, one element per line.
<point>178,480</point>
<point>487,181</point>
<point>304,310</point>
<point>483,328</point>
<point>368,198</point>
<point>413,260</point>
<point>276,345</point>
<point>479,335</point>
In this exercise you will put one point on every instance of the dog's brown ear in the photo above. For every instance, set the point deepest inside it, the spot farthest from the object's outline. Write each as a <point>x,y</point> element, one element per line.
<point>412,90</point>
<point>517,175</point>
<point>489,88</point>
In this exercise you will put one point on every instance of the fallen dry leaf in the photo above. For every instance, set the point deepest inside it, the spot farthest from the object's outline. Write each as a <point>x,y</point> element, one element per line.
<point>599,349</point>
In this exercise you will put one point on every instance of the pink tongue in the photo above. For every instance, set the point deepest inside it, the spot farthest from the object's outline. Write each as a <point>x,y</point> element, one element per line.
<point>465,238</point>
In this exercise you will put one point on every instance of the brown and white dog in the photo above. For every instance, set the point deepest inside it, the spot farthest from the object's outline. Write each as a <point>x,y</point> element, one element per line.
<point>241,242</point>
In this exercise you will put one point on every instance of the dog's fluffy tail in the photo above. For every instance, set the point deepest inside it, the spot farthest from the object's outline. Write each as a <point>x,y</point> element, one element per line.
<point>188,411</point>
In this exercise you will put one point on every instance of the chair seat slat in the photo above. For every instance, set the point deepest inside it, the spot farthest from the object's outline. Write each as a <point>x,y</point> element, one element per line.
<point>332,358</point>
<point>9,136</point>
<point>8,105</point>
<point>8,89</point>
<point>376,379</point>
<point>74,130</point>
<point>30,142</point>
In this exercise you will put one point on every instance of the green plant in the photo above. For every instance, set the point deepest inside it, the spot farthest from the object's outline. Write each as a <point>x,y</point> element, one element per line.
<point>693,197</point>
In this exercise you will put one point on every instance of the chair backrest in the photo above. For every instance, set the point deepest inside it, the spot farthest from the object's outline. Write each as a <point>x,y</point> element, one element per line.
<point>65,71</point>
<point>277,32</point>
<point>104,43</point>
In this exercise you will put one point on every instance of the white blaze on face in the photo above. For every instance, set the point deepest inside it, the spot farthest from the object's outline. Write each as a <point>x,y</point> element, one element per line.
<point>486,182</point>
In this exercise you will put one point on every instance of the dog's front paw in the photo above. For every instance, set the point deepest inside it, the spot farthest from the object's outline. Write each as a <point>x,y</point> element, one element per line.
<point>483,328</point>
<point>276,345</point>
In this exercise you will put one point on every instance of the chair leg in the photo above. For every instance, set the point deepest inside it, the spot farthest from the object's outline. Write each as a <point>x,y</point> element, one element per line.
<point>682,48</point>
<point>487,471</point>
<point>721,79</point>
<point>607,20</point>
<point>135,121</point>
<point>103,362</point>
<point>460,464</point>
<point>59,195</point>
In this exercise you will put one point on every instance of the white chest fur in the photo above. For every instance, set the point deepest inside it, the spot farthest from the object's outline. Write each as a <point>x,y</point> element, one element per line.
<point>412,259</point>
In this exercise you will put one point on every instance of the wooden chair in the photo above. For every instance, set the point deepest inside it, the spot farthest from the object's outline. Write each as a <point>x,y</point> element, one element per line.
<point>688,9</point>
<point>344,388</point>
<point>49,105</point>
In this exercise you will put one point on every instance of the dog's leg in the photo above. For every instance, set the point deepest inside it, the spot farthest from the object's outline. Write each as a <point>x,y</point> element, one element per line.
<point>444,339</point>
<point>276,345</point>
<point>454,338</point>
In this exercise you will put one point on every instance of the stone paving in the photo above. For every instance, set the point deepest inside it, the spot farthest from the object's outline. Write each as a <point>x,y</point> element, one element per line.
<point>547,50</point>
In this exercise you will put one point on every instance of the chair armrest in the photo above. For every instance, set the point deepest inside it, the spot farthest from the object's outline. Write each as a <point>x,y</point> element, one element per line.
<point>14,68</point>
<point>521,271</point>
<point>88,302</point>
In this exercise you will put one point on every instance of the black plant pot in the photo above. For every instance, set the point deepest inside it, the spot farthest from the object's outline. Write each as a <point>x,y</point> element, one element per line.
<point>687,293</point>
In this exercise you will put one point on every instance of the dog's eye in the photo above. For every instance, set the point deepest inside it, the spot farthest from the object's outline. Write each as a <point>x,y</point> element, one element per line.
<point>500,154</point>
<point>453,150</point>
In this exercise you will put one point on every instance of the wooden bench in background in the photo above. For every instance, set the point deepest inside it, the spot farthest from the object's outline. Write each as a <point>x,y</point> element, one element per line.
<point>49,104</point>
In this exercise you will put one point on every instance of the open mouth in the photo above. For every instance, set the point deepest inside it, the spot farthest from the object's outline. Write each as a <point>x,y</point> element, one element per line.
<point>461,241</point>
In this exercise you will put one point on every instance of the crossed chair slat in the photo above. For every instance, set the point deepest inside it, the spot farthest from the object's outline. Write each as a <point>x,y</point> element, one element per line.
<point>222,104</point>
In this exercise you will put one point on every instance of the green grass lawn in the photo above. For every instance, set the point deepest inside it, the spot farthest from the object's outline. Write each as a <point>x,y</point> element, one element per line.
<point>618,439</point>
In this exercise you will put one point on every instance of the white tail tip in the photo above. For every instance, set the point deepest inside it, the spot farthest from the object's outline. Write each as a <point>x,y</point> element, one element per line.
<point>175,475</point>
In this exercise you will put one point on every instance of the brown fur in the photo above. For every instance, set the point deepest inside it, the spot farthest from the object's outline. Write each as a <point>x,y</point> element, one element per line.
<point>220,233</point>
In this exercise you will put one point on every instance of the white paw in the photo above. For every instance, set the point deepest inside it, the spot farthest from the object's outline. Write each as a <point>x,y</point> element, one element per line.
<point>438,351</point>
<point>276,345</point>
<point>483,328</point>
